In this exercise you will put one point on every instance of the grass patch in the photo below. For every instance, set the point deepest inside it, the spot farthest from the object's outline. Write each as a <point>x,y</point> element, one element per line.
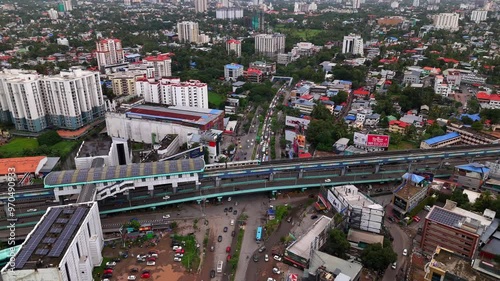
<point>16,146</point>
<point>65,147</point>
<point>216,99</point>
<point>191,258</point>
<point>403,145</point>
<point>97,272</point>
<point>236,256</point>
<point>305,34</point>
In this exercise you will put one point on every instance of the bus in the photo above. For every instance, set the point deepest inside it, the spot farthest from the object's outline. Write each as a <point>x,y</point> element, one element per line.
<point>258,236</point>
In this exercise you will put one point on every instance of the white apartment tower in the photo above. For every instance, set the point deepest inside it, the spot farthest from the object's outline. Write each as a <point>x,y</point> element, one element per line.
<point>478,16</point>
<point>226,3</point>
<point>68,6</point>
<point>416,3</point>
<point>352,44</point>
<point>188,32</point>
<point>53,15</point>
<point>270,45</point>
<point>234,46</point>
<point>158,66</point>
<point>200,6</point>
<point>33,102</point>
<point>109,52</point>
<point>448,21</point>
<point>356,4</point>
<point>172,91</point>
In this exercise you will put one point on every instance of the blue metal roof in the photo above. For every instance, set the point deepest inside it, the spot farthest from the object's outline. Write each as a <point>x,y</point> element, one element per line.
<point>414,178</point>
<point>442,138</point>
<point>234,66</point>
<point>474,167</point>
<point>473,117</point>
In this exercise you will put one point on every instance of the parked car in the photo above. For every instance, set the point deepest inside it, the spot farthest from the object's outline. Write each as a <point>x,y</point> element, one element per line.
<point>229,198</point>
<point>255,258</point>
<point>427,208</point>
<point>175,248</point>
<point>233,233</point>
<point>262,249</point>
<point>228,249</point>
<point>166,217</point>
<point>212,248</point>
<point>228,257</point>
<point>108,271</point>
<point>235,212</point>
<point>405,252</point>
<point>107,275</point>
<point>180,251</point>
<point>212,273</point>
<point>271,279</point>
<point>146,275</point>
<point>276,270</point>
<point>134,270</point>
<point>179,255</point>
<point>177,259</point>
<point>225,228</point>
<point>266,257</point>
<point>131,277</point>
<point>225,210</point>
<point>394,265</point>
<point>277,258</point>
<point>151,263</point>
<point>219,238</point>
<point>111,263</point>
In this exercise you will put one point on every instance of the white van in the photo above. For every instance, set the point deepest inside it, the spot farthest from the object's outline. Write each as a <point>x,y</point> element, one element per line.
<point>232,222</point>
<point>219,266</point>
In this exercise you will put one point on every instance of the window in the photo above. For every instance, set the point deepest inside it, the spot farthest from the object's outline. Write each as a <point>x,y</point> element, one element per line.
<point>88,229</point>
<point>78,250</point>
<point>67,271</point>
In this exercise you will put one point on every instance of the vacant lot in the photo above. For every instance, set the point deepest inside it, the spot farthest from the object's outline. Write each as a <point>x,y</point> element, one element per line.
<point>216,99</point>
<point>16,146</point>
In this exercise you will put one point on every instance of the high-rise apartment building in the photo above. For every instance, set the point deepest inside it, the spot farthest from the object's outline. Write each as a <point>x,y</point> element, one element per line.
<point>53,15</point>
<point>448,21</point>
<point>478,16</point>
<point>109,52</point>
<point>234,45</point>
<point>226,3</point>
<point>172,91</point>
<point>270,45</point>
<point>200,6</point>
<point>68,6</point>
<point>416,3</point>
<point>188,32</point>
<point>160,66</point>
<point>69,100</point>
<point>352,44</point>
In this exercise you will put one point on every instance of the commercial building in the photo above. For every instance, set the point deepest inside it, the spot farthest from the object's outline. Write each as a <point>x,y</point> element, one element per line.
<point>441,141</point>
<point>469,136</point>
<point>171,91</point>
<point>229,13</point>
<point>471,176</point>
<point>109,52</point>
<point>409,194</point>
<point>21,169</point>
<point>299,252</point>
<point>478,16</point>
<point>449,265</point>
<point>234,45</point>
<point>270,45</point>
<point>456,229</point>
<point>102,152</point>
<point>188,32</point>
<point>441,87</point>
<point>396,126</point>
<point>253,75</point>
<point>146,123</point>
<point>33,102</point>
<point>200,6</point>
<point>64,245</point>
<point>123,82</point>
<point>352,44</point>
<point>448,21</point>
<point>323,266</point>
<point>232,71</point>
<point>158,66</point>
<point>361,211</point>
<point>490,101</point>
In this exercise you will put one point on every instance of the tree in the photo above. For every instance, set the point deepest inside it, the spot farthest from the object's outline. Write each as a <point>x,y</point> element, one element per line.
<point>337,244</point>
<point>477,126</point>
<point>378,258</point>
<point>49,138</point>
<point>339,98</point>
<point>459,197</point>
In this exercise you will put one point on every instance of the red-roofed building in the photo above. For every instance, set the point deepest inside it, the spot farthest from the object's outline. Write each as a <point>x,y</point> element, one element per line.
<point>21,169</point>
<point>253,75</point>
<point>432,70</point>
<point>158,66</point>
<point>448,60</point>
<point>488,100</point>
<point>389,61</point>
<point>361,93</point>
<point>396,126</point>
<point>307,97</point>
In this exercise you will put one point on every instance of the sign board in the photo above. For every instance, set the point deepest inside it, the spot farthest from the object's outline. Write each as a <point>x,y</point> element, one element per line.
<point>359,139</point>
<point>294,121</point>
<point>335,202</point>
<point>377,140</point>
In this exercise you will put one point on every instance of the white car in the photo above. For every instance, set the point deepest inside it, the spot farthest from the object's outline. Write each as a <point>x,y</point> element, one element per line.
<point>166,197</point>
<point>177,248</point>
<point>30,210</point>
<point>328,180</point>
<point>266,257</point>
<point>229,198</point>
<point>179,255</point>
<point>131,277</point>
<point>405,252</point>
<point>276,270</point>
<point>271,279</point>
<point>177,259</point>
<point>110,263</point>
<point>166,217</point>
<point>427,208</point>
<point>151,263</point>
<point>277,258</point>
<point>394,265</point>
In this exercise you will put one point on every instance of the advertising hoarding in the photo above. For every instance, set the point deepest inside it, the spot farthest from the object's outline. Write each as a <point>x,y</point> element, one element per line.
<point>377,140</point>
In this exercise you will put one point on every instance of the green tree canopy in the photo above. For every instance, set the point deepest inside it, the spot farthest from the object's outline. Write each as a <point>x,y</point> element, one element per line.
<point>337,244</point>
<point>49,138</point>
<point>378,258</point>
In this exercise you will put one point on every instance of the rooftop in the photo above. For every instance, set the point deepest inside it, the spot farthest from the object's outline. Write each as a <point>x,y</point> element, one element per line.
<point>97,147</point>
<point>333,264</point>
<point>442,138</point>
<point>455,264</point>
<point>302,246</point>
<point>191,115</point>
<point>354,197</point>
<point>408,190</point>
<point>22,165</point>
<point>474,167</point>
<point>234,66</point>
<point>48,241</point>
<point>458,218</point>
<point>364,236</point>
<point>123,172</point>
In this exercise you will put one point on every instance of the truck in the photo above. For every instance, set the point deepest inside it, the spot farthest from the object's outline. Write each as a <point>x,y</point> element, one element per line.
<point>219,266</point>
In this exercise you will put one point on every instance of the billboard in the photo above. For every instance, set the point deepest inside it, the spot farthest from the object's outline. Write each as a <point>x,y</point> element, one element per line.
<point>339,207</point>
<point>294,121</point>
<point>377,140</point>
<point>359,139</point>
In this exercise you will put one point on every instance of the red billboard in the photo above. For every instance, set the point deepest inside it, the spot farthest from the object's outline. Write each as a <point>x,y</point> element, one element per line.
<point>377,140</point>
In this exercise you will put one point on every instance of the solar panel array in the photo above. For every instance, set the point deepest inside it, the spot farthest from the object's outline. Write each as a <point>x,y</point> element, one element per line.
<point>49,240</point>
<point>68,211</point>
<point>62,220</point>
<point>124,171</point>
<point>30,246</point>
<point>445,217</point>
<point>55,230</point>
<point>67,233</point>
<point>41,252</point>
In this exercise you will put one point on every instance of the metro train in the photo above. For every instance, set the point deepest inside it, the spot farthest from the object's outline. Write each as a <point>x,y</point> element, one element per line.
<point>231,165</point>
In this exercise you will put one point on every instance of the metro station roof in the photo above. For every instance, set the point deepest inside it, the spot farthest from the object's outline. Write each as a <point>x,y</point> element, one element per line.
<point>123,172</point>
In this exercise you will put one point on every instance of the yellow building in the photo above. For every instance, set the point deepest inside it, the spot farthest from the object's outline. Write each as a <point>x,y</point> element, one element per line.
<point>124,82</point>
